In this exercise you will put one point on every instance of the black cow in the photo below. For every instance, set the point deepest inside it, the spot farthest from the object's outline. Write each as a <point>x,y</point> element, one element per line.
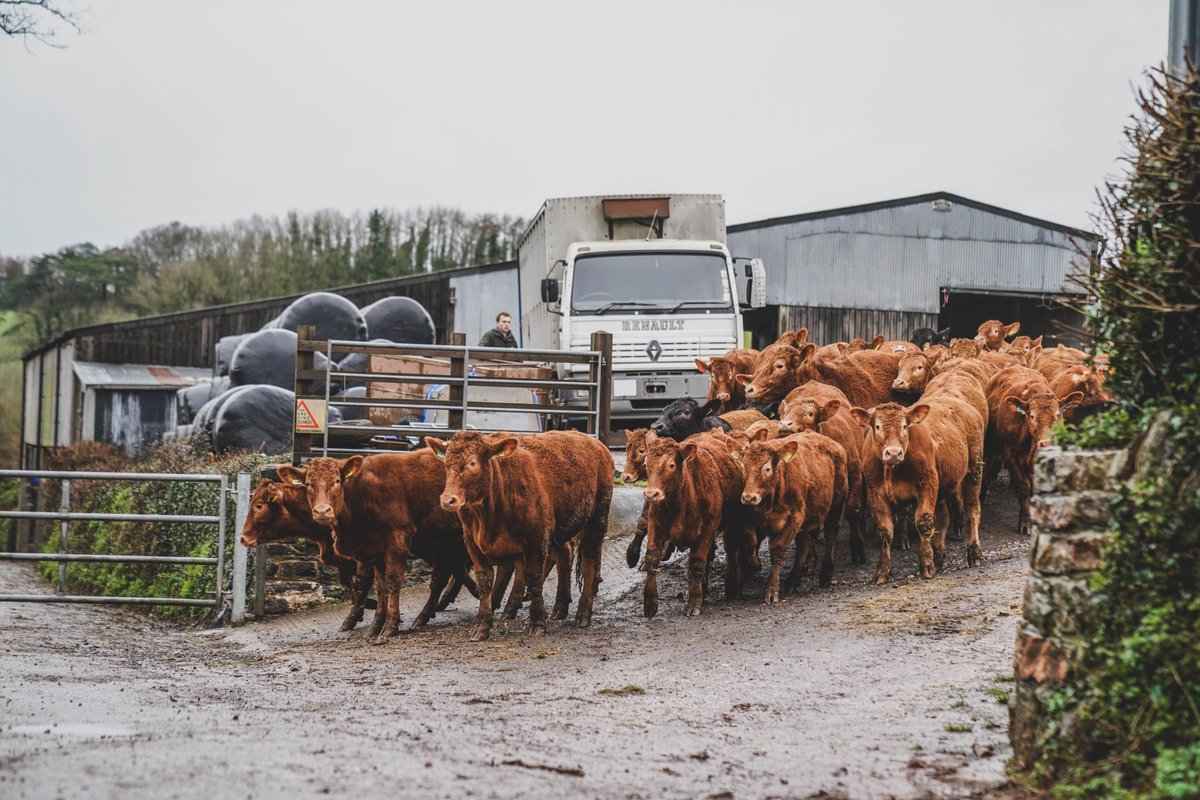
<point>923,336</point>
<point>686,417</point>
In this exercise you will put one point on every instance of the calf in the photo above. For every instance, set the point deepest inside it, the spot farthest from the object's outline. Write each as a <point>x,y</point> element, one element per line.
<point>825,410</point>
<point>384,509</point>
<point>794,486</point>
<point>965,348</point>
<point>519,497</point>
<point>1023,408</point>
<point>721,371</point>
<point>279,512</point>
<point>929,454</point>
<point>693,490</point>
<point>924,337</point>
<point>685,417</point>
<point>742,419</point>
<point>991,334</point>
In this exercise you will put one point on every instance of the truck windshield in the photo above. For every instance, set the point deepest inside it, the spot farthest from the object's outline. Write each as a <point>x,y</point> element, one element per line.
<point>661,281</point>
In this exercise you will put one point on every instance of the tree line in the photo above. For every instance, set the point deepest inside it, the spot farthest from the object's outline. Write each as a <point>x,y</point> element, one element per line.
<point>177,267</point>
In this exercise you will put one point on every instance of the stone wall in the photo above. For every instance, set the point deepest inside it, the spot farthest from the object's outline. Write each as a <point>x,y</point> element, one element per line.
<point>1070,514</point>
<point>296,578</point>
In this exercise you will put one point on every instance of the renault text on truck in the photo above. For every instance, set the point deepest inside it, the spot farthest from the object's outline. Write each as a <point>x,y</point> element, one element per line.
<point>652,270</point>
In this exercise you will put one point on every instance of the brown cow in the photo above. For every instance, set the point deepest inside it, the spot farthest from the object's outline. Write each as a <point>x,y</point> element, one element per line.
<point>864,377</point>
<point>721,371</point>
<point>965,348</point>
<point>912,373</point>
<point>824,409</point>
<point>384,509</point>
<point>279,513</point>
<point>794,486</point>
<point>1023,408</point>
<point>930,454</point>
<point>693,489</point>
<point>743,419</point>
<point>992,333</point>
<point>518,497</point>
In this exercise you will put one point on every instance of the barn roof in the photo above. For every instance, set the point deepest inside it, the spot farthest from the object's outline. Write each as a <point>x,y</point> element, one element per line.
<point>908,201</point>
<point>137,376</point>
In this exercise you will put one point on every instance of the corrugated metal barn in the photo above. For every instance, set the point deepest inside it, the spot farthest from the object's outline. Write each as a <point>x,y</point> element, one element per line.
<point>935,260</point>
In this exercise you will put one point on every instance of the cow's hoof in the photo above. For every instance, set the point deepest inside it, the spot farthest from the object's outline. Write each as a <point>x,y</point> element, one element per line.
<point>348,624</point>
<point>882,578</point>
<point>420,622</point>
<point>509,615</point>
<point>974,555</point>
<point>560,612</point>
<point>537,630</point>
<point>583,621</point>
<point>480,634</point>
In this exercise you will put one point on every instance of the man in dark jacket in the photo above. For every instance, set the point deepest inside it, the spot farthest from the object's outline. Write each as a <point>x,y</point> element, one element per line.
<point>501,335</point>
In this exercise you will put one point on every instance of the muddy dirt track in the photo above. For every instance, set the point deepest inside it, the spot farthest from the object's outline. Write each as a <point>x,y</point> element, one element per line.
<point>855,691</point>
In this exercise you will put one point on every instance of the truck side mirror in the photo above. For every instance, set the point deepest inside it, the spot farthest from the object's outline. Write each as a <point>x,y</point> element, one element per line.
<point>549,290</point>
<point>752,282</point>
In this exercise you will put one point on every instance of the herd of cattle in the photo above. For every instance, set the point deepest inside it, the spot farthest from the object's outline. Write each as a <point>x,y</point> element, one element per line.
<point>791,439</point>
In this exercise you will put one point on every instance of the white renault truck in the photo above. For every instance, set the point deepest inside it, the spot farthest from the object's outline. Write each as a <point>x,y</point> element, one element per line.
<point>654,271</point>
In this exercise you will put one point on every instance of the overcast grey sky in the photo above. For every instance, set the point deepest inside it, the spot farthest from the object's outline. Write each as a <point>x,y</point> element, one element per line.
<point>209,112</point>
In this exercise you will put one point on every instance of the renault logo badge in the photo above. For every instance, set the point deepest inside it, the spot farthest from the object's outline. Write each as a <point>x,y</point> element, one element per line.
<point>654,350</point>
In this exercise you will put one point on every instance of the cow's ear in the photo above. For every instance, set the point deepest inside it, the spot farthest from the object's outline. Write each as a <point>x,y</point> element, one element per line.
<point>861,415</point>
<point>1037,342</point>
<point>801,337</point>
<point>709,407</point>
<point>353,464</point>
<point>273,494</point>
<point>1016,404</point>
<point>878,340</point>
<point>289,474</point>
<point>688,451</point>
<point>1034,352</point>
<point>650,436</point>
<point>917,413</point>
<point>701,365</point>
<point>742,380</point>
<point>760,435</point>
<point>505,447</point>
<point>1073,399</point>
<point>944,334</point>
<point>841,346</point>
<point>806,353</point>
<point>1011,330</point>
<point>829,410</point>
<point>438,446</point>
<point>789,449</point>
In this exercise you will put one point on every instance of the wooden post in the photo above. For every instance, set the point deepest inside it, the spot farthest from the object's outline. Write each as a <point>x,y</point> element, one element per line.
<point>305,360</point>
<point>458,338</point>
<point>458,369</point>
<point>602,341</point>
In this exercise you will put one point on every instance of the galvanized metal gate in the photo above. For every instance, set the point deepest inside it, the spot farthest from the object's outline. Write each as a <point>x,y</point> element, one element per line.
<point>65,516</point>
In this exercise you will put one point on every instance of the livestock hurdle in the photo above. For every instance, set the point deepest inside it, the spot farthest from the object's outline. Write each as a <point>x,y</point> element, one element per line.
<point>64,515</point>
<point>313,391</point>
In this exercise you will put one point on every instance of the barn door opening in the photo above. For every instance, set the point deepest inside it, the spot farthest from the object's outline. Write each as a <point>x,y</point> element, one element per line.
<point>962,311</point>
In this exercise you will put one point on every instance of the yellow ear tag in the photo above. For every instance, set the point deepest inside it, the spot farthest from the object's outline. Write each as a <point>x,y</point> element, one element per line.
<point>500,454</point>
<point>787,455</point>
<point>349,475</point>
<point>735,455</point>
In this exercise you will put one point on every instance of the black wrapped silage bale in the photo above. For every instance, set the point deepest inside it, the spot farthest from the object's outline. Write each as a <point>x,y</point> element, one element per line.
<point>399,319</point>
<point>226,346</point>
<point>351,412</point>
<point>267,356</point>
<point>334,316</point>
<point>258,418</point>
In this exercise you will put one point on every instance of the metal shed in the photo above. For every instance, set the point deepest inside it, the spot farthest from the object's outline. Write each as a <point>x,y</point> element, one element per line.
<point>933,260</point>
<point>129,405</point>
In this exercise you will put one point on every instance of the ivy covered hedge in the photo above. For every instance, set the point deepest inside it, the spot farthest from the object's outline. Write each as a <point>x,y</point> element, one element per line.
<point>144,538</point>
<point>1133,711</point>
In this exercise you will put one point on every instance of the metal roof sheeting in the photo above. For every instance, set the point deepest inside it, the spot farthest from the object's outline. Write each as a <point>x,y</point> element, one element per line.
<point>137,376</point>
<point>897,256</point>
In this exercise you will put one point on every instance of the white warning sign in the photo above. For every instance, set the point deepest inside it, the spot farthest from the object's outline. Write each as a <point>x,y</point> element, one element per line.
<point>310,416</point>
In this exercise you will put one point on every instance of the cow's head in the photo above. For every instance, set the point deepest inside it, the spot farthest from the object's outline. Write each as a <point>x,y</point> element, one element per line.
<point>323,478</point>
<point>992,333</point>
<point>270,518</point>
<point>887,428</point>
<point>965,348</point>
<point>721,383</point>
<point>775,372</point>
<point>805,414</point>
<point>769,426</point>
<point>797,338</point>
<point>760,459</point>
<point>635,455</point>
<point>1040,412</point>
<point>858,344</point>
<point>665,462</point>
<point>912,373</point>
<point>683,417</point>
<point>468,457</point>
<point>923,337</point>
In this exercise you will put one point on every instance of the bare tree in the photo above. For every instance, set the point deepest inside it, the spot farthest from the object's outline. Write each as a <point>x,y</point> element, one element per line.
<point>41,20</point>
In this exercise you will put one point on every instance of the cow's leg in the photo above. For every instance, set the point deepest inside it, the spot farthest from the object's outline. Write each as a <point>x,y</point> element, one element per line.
<point>535,557</point>
<point>831,527</point>
<point>484,583</point>
<point>942,519</point>
<point>591,544</point>
<point>792,584</point>
<point>633,553</point>
<point>697,564</point>
<point>780,541</point>
<point>970,493</point>
<point>650,562</point>
<point>394,568</point>
<point>926,507</point>
<point>562,597</point>
<point>735,561</point>
<point>437,582</point>
<point>381,595</point>
<point>858,549</point>
<point>360,587</point>
<point>450,594</point>
<point>1022,485</point>
<point>518,592</point>
<point>882,514</point>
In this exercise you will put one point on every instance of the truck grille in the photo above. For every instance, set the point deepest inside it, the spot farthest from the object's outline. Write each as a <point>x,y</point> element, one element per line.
<point>672,351</point>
